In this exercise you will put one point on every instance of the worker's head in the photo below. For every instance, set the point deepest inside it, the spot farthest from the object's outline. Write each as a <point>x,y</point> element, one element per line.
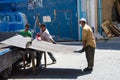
<point>82,21</point>
<point>43,27</point>
<point>27,26</point>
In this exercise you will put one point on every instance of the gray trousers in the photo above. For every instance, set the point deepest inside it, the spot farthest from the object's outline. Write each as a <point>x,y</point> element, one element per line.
<point>90,51</point>
<point>39,57</point>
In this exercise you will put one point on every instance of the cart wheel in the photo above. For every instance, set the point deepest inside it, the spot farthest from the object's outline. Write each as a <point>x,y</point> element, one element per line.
<point>7,72</point>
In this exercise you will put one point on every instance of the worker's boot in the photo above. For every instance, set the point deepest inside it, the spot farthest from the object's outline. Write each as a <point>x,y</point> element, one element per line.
<point>88,69</point>
<point>54,61</point>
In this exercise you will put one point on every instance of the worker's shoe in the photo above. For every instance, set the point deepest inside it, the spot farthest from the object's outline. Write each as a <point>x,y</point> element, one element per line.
<point>88,69</point>
<point>54,62</point>
<point>39,67</point>
<point>27,64</point>
<point>38,64</point>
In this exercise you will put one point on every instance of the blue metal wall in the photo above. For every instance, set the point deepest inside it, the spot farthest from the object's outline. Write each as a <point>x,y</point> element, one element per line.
<point>64,25</point>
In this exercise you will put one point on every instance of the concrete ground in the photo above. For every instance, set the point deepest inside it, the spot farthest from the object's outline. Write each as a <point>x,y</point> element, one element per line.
<point>69,66</point>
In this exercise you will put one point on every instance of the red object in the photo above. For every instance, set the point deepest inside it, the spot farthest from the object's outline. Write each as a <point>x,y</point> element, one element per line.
<point>38,37</point>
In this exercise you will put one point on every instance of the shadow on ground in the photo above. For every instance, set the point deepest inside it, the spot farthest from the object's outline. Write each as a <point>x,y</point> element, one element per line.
<point>51,73</point>
<point>105,45</point>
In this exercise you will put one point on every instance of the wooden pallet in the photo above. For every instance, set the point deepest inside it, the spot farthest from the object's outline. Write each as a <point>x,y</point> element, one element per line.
<point>115,30</point>
<point>110,29</point>
<point>107,29</point>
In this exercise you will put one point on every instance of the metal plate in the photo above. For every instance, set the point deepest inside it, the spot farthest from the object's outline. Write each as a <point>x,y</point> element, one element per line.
<point>17,40</point>
<point>50,47</point>
<point>20,41</point>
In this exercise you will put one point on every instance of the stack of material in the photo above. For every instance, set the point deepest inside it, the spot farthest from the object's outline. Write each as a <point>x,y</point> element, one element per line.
<point>110,29</point>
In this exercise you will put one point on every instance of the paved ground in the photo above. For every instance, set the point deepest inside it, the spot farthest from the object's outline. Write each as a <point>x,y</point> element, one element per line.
<point>70,66</point>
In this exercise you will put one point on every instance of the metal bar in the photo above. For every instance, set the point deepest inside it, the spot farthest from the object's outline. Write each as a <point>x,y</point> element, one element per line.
<point>33,62</point>
<point>23,60</point>
<point>78,14</point>
<point>45,59</point>
<point>100,16</point>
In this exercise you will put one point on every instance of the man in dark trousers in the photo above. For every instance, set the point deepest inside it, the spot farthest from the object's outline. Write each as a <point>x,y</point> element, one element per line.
<point>89,44</point>
<point>45,36</point>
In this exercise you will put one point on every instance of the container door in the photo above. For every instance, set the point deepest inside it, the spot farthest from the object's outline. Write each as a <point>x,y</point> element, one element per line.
<point>64,25</point>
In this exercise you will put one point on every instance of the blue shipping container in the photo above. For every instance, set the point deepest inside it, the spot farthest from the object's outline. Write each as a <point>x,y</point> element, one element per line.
<point>63,14</point>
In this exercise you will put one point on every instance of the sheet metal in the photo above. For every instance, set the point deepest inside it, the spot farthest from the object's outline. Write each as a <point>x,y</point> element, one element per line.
<point>20,41</point>
<point>17,40</point>
<point>50,47</point>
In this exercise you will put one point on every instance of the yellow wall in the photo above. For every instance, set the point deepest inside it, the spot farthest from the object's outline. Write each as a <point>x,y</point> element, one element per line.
<point>107,9</point>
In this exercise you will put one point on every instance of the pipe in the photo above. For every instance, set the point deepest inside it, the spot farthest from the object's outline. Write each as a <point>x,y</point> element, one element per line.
<point>79,10</point>
<point>99,16</point>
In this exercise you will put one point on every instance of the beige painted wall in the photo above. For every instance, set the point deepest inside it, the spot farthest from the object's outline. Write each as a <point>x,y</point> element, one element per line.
<point>107,9</point>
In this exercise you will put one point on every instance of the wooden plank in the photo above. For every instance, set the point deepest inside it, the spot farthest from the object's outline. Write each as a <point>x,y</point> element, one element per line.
<point>115,30</point>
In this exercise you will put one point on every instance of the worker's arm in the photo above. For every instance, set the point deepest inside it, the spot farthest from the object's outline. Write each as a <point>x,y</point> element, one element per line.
<point>84,38</point>
<point>84,43</point>
<point>38,23</point>
<point>53,41</point>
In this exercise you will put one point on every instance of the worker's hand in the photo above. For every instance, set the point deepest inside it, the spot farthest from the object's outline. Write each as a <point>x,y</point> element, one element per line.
<point>80,51</point>
<point>29,43</point>
<point>39,38</point>
<point>54,43</point>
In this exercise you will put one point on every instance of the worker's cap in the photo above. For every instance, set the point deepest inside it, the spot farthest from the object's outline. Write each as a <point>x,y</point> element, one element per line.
<point>83,19</point>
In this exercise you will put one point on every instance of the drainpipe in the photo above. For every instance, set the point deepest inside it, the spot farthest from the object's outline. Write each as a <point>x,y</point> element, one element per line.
<point>79,11</point>
<point>99,16</point>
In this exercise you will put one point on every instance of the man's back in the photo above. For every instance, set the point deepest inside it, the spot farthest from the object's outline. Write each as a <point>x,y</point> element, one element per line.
<point>88,35</point>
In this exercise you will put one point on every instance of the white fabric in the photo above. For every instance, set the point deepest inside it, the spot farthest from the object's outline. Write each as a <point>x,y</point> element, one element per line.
<point>45,36</point>
<point>83,19</point>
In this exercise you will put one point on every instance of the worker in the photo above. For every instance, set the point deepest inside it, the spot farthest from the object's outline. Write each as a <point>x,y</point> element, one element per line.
<point>27,33</point>
<point>45,35</point>
<point>89,44</point>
